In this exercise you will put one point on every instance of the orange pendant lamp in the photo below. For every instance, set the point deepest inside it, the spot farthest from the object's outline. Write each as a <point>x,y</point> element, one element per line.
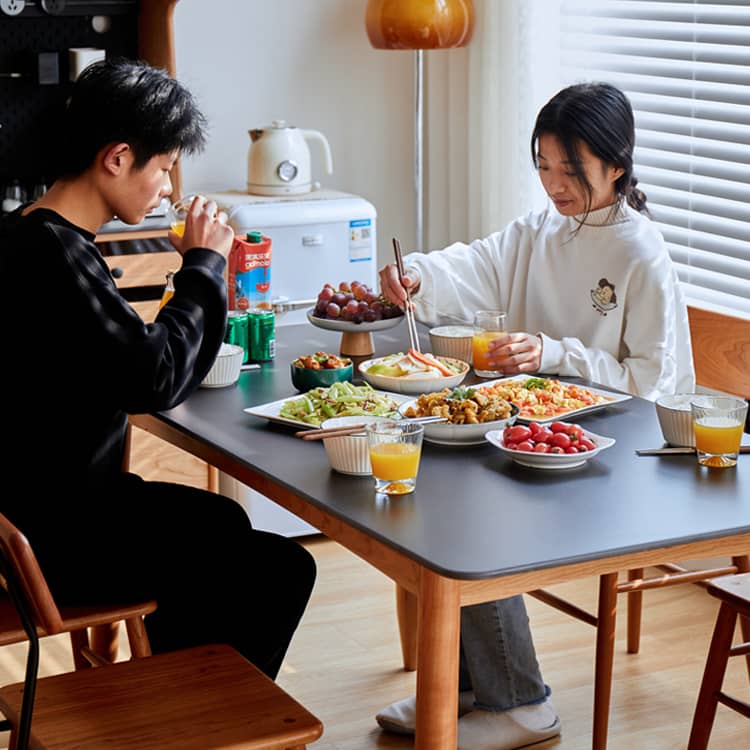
<point>419,25</point>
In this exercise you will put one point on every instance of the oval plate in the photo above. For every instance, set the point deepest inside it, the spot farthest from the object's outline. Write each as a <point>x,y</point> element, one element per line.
<point>551,460</point>
<point>413,386</point>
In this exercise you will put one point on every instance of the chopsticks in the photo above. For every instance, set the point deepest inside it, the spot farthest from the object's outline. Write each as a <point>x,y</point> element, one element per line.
<point>408,310</point>
<point>677,450</point>
<point>353,429</point>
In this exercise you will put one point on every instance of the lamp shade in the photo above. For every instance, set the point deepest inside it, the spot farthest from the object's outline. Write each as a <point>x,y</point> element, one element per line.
<point>419,24</point>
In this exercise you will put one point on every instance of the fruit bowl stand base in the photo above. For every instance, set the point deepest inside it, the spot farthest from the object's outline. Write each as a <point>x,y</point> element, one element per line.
<point>357,344</point>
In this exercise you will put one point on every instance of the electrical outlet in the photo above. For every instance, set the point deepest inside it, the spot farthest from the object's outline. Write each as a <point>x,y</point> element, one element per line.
<point>53,7</point>
<point>12,7</point>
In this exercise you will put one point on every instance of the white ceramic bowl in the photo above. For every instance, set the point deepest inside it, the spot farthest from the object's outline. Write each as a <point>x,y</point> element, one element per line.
<point>452,341</point>
<point>226,367</point>
<point>445,433</point>
<point>349,454</point>
<point>675,419</point>
<point>412,385</point>
<point>551,460</point>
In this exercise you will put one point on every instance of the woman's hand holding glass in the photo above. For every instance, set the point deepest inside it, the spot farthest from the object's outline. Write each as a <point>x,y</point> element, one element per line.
<point>197,222</point>
<point>516,353</point>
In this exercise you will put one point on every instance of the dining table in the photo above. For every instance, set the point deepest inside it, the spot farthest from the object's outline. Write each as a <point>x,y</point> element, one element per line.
<point>479,526</point>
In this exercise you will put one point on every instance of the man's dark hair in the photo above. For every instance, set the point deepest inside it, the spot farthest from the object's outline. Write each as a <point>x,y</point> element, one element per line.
<point>127,101</point>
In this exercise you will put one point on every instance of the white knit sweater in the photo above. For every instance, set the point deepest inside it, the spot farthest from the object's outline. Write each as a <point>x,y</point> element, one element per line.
<point>559,283</point>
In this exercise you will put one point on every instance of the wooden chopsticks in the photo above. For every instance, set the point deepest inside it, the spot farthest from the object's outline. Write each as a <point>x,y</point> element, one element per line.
<point>320,433</point>
<point>408,310</point>
<point>677,450</point>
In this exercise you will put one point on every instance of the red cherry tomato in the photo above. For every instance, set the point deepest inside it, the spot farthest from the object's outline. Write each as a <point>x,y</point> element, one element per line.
<point>561,440</point>
<point>526,446</point>
<point>543,436</point>
<point>559,427</point>
<point>584,444</point>
<point>571,449</point>
<point>505,434</point>
<point>556,449</point>
<point>534,427</point>
<point>575,430</point>
<point>518,433</point>
<point>511,446</point>
<point>541,448</point>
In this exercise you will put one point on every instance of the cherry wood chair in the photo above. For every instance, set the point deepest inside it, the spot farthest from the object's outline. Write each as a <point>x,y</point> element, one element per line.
<point>734,594</point>
<point>202,698</point>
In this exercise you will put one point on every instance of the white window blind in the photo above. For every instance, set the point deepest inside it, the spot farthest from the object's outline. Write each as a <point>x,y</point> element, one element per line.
<point>685,67</point>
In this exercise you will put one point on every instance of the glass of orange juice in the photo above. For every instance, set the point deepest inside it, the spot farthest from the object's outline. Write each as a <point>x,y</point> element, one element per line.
<point>488,325</point>
<point>395,448</point>
<point>718,422</point>
<point>177,213</point>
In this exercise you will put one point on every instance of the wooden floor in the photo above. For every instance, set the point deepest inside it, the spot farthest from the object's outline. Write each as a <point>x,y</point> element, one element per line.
<point>344,664</point>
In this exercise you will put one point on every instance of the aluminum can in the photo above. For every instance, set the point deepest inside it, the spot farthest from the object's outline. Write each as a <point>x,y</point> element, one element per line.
<point>262,335</point>
<point>238,331</point>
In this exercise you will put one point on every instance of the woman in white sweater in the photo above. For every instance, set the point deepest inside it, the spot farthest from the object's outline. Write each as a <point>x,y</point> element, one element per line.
<point>590,291</point>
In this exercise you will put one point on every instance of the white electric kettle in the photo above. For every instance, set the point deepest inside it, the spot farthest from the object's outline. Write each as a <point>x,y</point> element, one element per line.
<point>278,162</point>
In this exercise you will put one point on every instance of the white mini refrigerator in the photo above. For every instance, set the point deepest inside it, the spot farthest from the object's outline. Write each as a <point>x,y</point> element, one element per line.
<point>317,238</point>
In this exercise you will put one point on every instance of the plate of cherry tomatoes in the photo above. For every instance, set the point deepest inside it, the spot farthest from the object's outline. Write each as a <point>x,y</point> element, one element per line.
<point>559,445</point>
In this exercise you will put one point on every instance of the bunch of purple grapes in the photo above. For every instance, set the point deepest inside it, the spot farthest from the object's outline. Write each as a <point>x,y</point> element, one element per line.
<point>355,303</point>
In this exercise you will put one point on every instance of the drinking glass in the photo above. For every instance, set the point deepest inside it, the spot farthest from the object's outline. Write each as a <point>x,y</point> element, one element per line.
<point>488,325</point>
<point>395,448</point>
<point>718,422</point>
<point>177,213</point>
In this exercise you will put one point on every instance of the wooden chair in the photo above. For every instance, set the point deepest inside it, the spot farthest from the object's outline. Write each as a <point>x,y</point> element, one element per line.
<point>734,594</point>
<point>208,697</point>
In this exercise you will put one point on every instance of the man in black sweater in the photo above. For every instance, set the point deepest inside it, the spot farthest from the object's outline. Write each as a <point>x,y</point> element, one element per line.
<point>79,359</point>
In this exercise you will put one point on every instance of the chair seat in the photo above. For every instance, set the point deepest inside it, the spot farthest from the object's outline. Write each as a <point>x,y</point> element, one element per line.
<point>193,699</point>
<point>74,618</point>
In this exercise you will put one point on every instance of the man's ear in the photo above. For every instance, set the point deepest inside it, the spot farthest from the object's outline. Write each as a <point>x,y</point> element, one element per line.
<point>116,156</point>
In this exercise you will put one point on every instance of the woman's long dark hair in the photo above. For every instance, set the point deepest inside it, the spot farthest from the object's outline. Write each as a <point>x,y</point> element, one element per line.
<point>599,115</point>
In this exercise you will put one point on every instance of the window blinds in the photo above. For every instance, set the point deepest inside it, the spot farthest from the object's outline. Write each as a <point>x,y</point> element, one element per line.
<point>685,67</point>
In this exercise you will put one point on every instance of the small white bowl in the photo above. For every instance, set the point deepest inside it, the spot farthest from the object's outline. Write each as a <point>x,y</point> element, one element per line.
<point>675,419</point>
<point>452,341</point>
<point>226,367</point>
<point>349,454</point>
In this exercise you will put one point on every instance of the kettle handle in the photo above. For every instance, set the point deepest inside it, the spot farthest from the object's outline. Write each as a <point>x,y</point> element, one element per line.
<point>318,136</point>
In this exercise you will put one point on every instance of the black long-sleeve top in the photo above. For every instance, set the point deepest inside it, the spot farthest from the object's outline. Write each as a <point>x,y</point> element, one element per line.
<point>77,358</point>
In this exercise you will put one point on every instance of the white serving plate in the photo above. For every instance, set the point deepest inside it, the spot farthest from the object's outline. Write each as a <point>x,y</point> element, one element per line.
<point>612,398</point>
<point>445,433</point>
<point>412,385</point>
<point>271,411</point>
<point>551,460</point>
<point>346,326</point>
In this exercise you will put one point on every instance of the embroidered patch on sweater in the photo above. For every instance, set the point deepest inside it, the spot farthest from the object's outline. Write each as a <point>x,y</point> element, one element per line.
<point>604,297</point>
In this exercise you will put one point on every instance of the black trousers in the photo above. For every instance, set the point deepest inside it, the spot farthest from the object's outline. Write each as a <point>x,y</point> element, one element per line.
<point>215,578</point>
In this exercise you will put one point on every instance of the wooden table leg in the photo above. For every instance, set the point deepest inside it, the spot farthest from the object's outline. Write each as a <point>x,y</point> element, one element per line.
<point>406,610</point>
<point>437,672</point>
<point>605,651</point>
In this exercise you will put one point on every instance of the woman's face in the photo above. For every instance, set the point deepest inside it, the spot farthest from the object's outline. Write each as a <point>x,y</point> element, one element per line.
<point>563,186</point>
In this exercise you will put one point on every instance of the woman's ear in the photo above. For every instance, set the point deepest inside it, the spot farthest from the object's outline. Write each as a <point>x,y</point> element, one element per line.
<point>115,157</point>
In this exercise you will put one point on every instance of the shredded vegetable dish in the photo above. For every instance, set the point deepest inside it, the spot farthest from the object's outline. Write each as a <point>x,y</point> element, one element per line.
<point>338,400</point>
<point>542,398</point>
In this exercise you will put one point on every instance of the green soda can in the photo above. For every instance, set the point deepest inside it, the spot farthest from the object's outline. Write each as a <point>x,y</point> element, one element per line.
<point>238,331</point>
<point>262,335</point>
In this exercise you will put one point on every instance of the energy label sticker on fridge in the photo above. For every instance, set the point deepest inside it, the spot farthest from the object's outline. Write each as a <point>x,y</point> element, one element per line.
<point>360,240</point>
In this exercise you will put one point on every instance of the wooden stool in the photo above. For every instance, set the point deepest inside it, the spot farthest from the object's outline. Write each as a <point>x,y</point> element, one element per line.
<point>734,593</point>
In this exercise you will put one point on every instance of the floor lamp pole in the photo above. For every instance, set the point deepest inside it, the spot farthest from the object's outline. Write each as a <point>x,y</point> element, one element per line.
<point>418,153</point>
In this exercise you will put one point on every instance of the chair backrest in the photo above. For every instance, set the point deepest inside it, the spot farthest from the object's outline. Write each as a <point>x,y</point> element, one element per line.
<point>22,572</point>
<point>721,351</point>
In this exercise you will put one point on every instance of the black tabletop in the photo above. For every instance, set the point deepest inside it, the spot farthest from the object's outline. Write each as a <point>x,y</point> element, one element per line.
<point>475,513</point>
